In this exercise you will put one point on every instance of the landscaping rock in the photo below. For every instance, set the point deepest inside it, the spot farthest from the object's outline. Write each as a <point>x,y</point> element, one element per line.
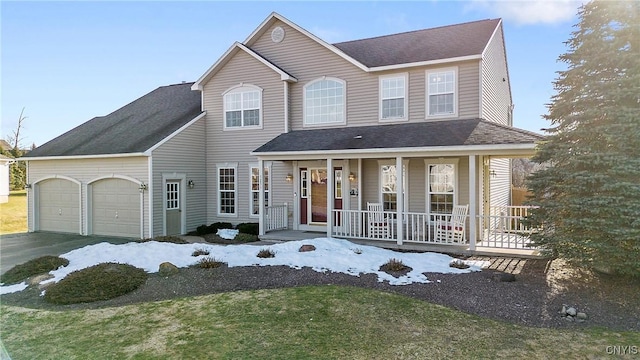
<point>306,248</point>
<point>563,311</point>
<point>581,316</point>
<point>35,280</point>
<point>167,269</point>
<point>458,264</point>
<point>572,311</point>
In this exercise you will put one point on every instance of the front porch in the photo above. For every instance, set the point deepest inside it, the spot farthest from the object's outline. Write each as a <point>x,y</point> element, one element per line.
<point>498,233</point>
<point>458,249</point>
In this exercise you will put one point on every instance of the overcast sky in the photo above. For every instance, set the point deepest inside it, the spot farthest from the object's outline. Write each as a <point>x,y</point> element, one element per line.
<point>67,62</point>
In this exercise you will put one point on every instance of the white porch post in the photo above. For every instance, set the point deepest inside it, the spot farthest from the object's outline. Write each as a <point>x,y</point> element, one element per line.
<point>399,198</point>
<point>330,197</point>
<point>261,214</point>
<point>473,202</point>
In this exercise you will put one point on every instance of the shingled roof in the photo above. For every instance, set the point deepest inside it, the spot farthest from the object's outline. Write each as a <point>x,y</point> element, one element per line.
<point>409,135</point>
<point>422,45</point>
<point>133,128</point>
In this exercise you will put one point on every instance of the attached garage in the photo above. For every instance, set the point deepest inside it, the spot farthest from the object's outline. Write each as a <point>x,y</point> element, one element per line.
<point>58,205</point>
<point>115,208</point>
<point>106,177</point>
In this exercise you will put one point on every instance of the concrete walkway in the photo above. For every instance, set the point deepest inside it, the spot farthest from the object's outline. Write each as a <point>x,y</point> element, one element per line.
<point>19,248</point>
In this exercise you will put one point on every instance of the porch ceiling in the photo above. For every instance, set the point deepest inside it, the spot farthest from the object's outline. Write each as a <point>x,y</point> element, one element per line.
<point>438,138</point>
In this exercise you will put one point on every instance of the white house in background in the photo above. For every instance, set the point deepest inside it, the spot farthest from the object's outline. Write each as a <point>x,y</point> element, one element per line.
<point>5,163</point>
<point>292,132</point>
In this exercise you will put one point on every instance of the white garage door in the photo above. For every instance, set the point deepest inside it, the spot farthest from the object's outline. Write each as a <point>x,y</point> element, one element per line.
<point>115,208</point>
<point>59,206</point>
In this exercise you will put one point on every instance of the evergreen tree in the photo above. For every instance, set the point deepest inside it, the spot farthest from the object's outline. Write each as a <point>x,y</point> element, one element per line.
<point>589,197</point>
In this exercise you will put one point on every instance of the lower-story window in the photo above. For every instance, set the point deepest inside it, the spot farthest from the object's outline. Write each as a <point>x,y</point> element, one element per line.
<point>255,189</point>
<point>441,188</point>
<point>227,190</point>
<point>388,186</point>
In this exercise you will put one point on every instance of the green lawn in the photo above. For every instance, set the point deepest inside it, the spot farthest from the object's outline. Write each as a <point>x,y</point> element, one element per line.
<point>320,322</point>
<point>13,215</point>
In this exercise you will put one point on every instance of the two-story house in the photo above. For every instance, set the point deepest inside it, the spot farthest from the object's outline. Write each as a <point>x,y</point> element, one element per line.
<point>378,138</point>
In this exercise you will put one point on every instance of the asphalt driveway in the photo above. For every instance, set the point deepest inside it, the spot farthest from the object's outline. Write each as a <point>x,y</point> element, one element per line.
<point>18,248</point>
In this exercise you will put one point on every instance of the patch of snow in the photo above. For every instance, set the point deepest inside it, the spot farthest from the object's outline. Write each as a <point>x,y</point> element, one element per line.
<point>333,255</point>
<point>8,289</point>
<point>228,234</point>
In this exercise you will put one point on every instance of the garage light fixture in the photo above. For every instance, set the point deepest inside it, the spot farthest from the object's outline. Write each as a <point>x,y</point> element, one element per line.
<point>27,186</point>
<point>191,184</point>
<point>142,187</point>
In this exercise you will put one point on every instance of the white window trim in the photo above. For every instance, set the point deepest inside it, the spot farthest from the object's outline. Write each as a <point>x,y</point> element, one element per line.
<point>267,165</point>
<point>344,102</point>
<point>219,167</point>
<point>405,178</point>
<point>456,83</point>
<point>405,117</point>
<point>242,87</point>
<point>456,190</point>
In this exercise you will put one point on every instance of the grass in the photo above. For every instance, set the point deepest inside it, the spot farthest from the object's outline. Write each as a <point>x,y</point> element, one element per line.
<point>312,322</point>
<point>13,215</point>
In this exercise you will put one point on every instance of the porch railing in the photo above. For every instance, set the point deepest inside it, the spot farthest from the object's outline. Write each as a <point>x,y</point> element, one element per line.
<point>416,227</point>
<point>276,217</point>
<point>501,228</point>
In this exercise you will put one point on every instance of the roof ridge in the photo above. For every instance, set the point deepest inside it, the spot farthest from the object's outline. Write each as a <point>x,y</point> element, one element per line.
<point>413,31</point>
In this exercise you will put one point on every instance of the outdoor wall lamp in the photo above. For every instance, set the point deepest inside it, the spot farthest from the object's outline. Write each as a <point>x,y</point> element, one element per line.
<point>352,177</point>
<point>289,178</point>
<point>191,184</point>
<point>142,187</point>
<point>27,186</point>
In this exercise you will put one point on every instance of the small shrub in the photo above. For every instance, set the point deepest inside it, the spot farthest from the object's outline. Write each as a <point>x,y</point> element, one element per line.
<point>37,266</point>
<point>199,252</point>
<point>202,230</point>
<point>394,265</point>
<point>266,253</point>
<point>168,239</point>
<point>99,282</point>
<point>213,228</point>
<point>209,263</point>
<point>242,237</point>
<point>248,228</point>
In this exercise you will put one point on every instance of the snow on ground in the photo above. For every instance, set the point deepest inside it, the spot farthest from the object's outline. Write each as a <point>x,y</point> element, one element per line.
<point>333,255</point>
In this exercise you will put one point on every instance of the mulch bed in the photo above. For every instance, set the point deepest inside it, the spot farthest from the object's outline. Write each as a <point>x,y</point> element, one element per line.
<point>534,299</point>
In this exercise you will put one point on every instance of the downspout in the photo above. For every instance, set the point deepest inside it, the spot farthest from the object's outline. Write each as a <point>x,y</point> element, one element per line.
<point>286,106</point>
<point>150,197</point>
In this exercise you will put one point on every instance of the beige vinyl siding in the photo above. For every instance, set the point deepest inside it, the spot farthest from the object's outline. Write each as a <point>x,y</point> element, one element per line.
<point>281,190</point>
<point>182,154</point>
<point>496,94</point>
<point>500,184</point>
<point>85,170</point>
<point>234,146</point>
<point>307,61</point>
<point>417,183</point>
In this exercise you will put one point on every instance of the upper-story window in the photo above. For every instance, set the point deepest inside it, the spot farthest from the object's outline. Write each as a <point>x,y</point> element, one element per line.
<point>441,93</point>
<point>243,107</point>
<point>324,102</point>
<point>393,97</point>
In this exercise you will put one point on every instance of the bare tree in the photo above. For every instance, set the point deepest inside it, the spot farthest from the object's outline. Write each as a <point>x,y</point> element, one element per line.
<point>14,139</point>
